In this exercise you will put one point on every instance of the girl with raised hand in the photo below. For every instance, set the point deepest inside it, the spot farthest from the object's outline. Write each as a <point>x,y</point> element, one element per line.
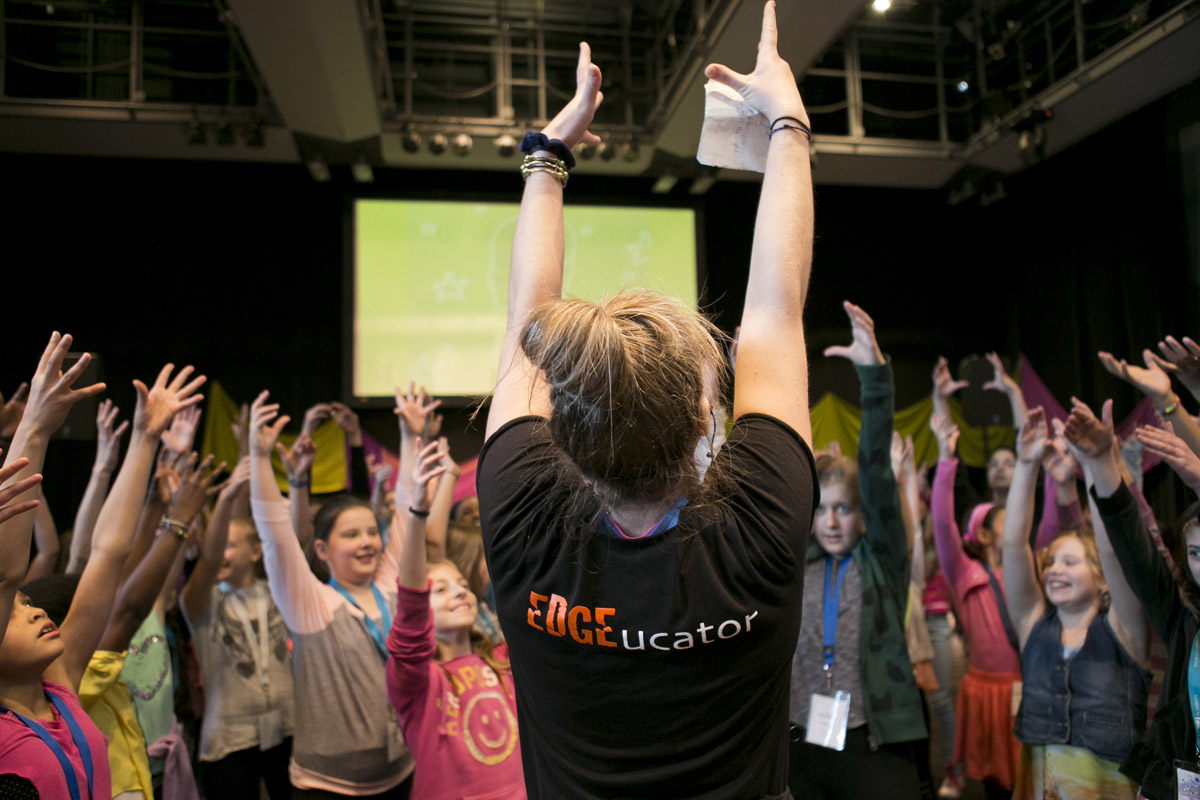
<point>346,742</point>
<point>851,658</point>
<point>983,742</point>
<point>651,618</point>
<point>241,643</point>
<point>452,691</point>
<point>1164,761</point>
<point>47,742</point>
<point>1082,634</point>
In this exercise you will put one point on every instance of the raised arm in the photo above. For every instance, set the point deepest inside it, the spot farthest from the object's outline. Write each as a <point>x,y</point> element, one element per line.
<point>1061,510</point>
<point>108,451</point>
<point>1095,445</point>
<point>1021,588</point>
<point>141,589</point>
<point>946,539</point>
<point>45,535</point>
<point>772,368</point>
<point>89,612</point>
<point>198,588</point>
<point>50,398</point>
<point>414,412</point>
<point>1181,359</point>
<point>294,588</point>
<point>411,573</point>
<point>1155,384</point>
<point>535,271</point>
<point>1163,443</point>
<point>944,386</point>
<point>297,465</point>
<point>1002,382</point>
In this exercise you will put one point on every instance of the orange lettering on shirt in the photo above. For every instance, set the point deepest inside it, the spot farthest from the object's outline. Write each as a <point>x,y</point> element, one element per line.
<point>583,637</point>
<point>601,639</point>
<point>534,599</point>
<point>556,614</point>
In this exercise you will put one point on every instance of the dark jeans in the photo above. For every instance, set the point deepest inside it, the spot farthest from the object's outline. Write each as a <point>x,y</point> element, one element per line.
<point>396,793</point>
<point>236,775</point>
<point>818,773</point>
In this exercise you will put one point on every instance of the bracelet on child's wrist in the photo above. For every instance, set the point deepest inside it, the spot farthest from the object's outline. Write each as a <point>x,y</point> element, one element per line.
<point>798,125</point>
<point>418,513</point>
<point>297,482</point>
<point>172,526</point>
<point>1170,408</point>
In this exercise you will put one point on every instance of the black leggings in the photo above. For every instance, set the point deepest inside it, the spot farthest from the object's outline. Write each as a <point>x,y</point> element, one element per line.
<point>236,776</point>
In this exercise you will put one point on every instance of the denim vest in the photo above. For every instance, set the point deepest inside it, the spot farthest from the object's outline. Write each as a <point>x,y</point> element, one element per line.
<point>1096,699</point>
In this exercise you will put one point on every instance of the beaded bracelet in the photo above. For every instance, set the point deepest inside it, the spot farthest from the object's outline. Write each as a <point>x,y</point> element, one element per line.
<point>1171,407</point>
<point>800,126</point>
<point>552,166</point>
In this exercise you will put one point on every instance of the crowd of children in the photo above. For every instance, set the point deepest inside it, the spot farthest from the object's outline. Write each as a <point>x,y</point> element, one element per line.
<point>634,606</point>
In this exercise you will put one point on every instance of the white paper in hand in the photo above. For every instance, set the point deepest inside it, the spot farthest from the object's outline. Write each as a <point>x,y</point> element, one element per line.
<point>734,136</point>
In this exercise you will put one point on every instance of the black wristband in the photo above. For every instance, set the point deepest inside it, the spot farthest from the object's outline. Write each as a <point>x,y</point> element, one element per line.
<point>417,513</point>
<point>538,141</point>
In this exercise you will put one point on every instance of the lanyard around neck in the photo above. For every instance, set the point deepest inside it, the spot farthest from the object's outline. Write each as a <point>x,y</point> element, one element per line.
<point>373,628</point>
<point>260,644</point>
<point>829,610</point>
<point>81,745</point>
<point>1193,679</point>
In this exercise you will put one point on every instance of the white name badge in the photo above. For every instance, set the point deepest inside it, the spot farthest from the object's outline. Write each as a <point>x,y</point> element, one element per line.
<point>827,718</point>
<point>1016,698</point>
<point>270,729</point>
<point>1187,781</point>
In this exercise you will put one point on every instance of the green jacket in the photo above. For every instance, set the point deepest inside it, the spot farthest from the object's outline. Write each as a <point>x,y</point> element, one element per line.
<point>891,701</point>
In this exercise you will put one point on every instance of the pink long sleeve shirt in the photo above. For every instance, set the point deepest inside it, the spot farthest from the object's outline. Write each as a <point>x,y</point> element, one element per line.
<point>987,643</point>
<point>459,718</point>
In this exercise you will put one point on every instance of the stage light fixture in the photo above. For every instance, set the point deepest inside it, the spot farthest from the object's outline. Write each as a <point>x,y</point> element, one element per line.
<point>630,152</point>
<point>462,145</point>
<point>881,5</point>
<point>318,169</point>
<point>437,144</point>
<point>587,151</point>
<point>361,171</point>
<point>253,135</point>
<point>411,142</point>
<point>607,151</point>
<point>962,87</point>
<point>225,134</point>
<point>505,146</point>
<point>196,134</point>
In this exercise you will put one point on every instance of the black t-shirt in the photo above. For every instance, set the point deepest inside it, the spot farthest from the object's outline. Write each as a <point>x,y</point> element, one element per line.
<point>656,667</point>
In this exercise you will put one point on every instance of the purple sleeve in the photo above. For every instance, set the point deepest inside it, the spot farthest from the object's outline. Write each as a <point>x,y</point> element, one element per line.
<point>946,540</point>
<point>410,646</point>
<point>1056,518</point>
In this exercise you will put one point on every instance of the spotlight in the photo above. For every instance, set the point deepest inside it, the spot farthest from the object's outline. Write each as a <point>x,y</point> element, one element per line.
<point>411,142</point>
<point>196,134</point>
<point>881,5</point>
<point>505,146</point>
<point>962,86</point>
<point>361,171</point>
<point>437,144</point>
<point>607,151</point>
<point>318,169</point>
<point>630,153</point>
<point>462,145</point>
<point>253,135</point>
<point>587,151</point>
<point>225,134</point>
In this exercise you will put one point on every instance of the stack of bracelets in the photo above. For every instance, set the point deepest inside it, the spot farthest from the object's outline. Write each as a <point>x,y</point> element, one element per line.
<point>557,165</point>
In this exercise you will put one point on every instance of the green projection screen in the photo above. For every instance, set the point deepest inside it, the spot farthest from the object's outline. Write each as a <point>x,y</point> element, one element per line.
<point>430,283</point>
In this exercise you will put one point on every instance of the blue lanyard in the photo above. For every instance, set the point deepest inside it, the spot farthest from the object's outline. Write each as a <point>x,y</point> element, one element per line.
<point>376,632</point>
<point>829,609</point>
<point>1193,679</point>
<point>81,745</point>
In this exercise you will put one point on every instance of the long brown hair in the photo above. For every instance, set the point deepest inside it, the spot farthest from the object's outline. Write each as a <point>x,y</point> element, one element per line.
<point>628,378</point>
<point>480,645</point>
